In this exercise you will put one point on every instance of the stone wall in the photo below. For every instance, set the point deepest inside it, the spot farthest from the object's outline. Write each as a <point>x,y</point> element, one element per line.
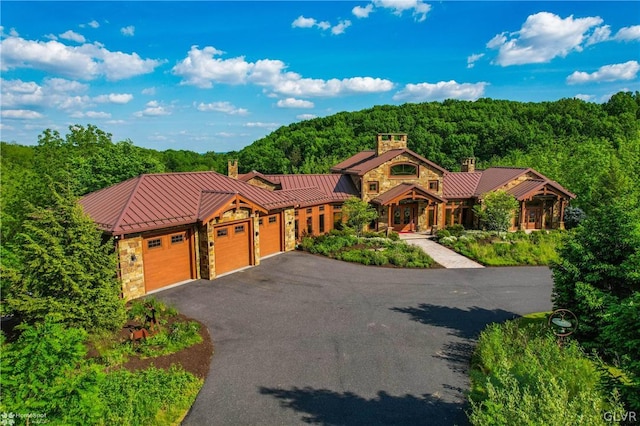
<point>256,181</point>
<point>289,230</point>
<point>388,141</point>
<point>203,250</point>
<point>254,227</point>
<point>131,269</point>
<point>381,175</point>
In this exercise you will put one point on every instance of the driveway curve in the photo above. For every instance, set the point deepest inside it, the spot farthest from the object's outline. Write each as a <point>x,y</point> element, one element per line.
<point>305,339</point>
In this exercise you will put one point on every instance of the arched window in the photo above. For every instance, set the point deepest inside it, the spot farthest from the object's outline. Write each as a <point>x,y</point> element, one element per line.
<point>404,169</point>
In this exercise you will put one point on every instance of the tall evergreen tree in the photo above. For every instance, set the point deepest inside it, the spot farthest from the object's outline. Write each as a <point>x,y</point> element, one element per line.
<point>68,270</point>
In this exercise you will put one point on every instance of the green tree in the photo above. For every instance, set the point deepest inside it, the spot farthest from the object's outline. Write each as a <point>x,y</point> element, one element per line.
<point>358,213</point>
<point>45,372</point>
<point>496,210</point>
<point>67,269</point>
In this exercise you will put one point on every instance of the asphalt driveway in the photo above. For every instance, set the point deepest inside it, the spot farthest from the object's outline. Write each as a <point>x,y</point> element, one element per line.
<point>305,339</point>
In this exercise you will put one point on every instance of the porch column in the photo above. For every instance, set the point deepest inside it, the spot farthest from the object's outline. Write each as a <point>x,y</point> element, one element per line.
<point>523,212</point>
<point>390,207</point>
<point>544,216</point>
<point>561,213</point>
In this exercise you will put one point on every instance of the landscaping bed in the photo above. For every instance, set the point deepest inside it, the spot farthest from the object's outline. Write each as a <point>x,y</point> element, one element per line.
<point>503,248</point>
<point>368,249</point>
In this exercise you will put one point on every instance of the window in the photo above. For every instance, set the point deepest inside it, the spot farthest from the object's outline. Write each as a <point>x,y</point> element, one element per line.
<point>273,219</point>
<point>309,210</point>
<point>296,213</point>
<point>404,170</point>
<point>337,208</point>
<point>309,226</point>
<point>321,223</point>
<point>396,216</point>
<point>176,239</point>
<point>239,229</point>
<point>222,232</point>
<point>373,186</point>
<point>154,243</point>
<point>321,208</point>
<point>259,221</point>
<point>433,185</point>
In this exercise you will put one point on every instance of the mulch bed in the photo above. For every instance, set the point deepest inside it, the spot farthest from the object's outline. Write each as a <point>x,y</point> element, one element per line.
<point>194,359</point>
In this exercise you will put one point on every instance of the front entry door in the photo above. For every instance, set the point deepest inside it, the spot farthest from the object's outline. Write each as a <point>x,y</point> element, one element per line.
<point>534,217</point>
<point>405,217</point>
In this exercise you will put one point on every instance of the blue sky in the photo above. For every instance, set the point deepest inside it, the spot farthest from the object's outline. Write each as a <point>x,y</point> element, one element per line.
<point>216,76</point>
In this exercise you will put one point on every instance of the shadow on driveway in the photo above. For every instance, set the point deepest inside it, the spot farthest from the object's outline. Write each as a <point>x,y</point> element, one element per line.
<point>466,324</point>
<point>326,407</point>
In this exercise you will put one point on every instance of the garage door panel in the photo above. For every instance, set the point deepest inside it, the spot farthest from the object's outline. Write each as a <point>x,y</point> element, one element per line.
<point>167,259</point>
<point>232,247</point>
<point>270,234</point>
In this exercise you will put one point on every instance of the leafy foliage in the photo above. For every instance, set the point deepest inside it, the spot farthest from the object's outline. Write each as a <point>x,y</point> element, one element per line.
<point>45,371</point>
<point>522,376</point>
<point>496,211</point>
<point>66,269</point>
<point>359,214</point>
<point>573,216</point>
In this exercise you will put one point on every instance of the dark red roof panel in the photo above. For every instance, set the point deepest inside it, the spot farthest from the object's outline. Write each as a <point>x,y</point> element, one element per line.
<point>401,189</point>
<point>460,184</point>
<point>362,164</point>
<point>334,186</point>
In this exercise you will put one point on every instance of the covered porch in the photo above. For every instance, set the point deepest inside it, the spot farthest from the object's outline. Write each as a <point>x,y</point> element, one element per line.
<point>541,205</point>
<point>409,208</point>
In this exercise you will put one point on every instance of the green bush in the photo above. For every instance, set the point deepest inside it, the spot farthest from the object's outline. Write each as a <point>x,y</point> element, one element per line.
<point>455,230</point>
<point>147,397</point>
<point>520,375</point>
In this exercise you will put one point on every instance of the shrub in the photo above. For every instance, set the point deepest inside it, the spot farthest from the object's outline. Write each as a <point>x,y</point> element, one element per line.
<point>521,376</point>
<point>455,230</point>
<point>573,216</point>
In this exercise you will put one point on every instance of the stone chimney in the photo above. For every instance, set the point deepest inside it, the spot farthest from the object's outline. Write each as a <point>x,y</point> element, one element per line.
<point>388,141</point>
<point>469,165</point>
<point>232,169</point>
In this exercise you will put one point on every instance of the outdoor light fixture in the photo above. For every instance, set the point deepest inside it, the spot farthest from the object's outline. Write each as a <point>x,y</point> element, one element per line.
<point>133,257</point>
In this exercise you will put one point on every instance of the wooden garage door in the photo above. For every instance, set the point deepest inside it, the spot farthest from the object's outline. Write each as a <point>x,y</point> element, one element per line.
<point>167,259</point>
<point>270,234</point>
<point>232,247</point>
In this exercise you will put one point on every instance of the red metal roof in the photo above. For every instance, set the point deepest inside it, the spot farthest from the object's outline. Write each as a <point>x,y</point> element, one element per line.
<point>364,161</point>
<point>168,199</point>
<point>248,176</point>
<point>495,177</point>
<point>335,187</point>
<point>402,189</point>
<point>460,185</point>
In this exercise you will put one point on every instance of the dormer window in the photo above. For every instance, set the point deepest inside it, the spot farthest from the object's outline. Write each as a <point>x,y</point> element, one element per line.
<point>403,170</point>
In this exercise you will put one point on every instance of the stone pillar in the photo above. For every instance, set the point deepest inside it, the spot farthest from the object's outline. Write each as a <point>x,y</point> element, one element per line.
<point>523,212</point>
<point>561,214</point>
<point>131,267</point>
<point>290,230</point>
<point>232,169</point>
<point>256,239</point>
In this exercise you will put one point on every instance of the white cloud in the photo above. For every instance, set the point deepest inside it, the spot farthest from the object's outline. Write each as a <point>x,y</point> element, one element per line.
<point>149,91</point>
<point>73,36</point>
<point>543,36</point>
<point>115,98</point>
<point>423,92</point>
<point>91,114</point>
<point>306,116</point>
<point>262,125</point>
<point>94,24</point>
<point>599,35</point>
<point>472,59</point>
<point>128,31</point>
<point>626,71</point>
<point>54,93</point>
<point>584,97</point>
<point>153,109</point>
<point>362,12</point>
<point>225,107</point>
<point>628,33</point>
<point>202,69</point>
<point>302,22</point>
<point>294,103</point>
<point>20,114</point>
<point>418,7</point>
<point>340,27</point>
<point>86,62</point>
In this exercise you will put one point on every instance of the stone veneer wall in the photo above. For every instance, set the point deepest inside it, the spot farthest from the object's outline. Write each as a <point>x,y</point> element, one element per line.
<point>385,182</point>
<point>289,230</point>
<point>256,239</point>
<point>261,184</point>
<point>203,250</point>
<point>131,271</point>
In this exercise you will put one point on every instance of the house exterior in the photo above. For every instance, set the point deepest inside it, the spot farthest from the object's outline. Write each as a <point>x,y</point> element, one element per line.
<point>170,228</point>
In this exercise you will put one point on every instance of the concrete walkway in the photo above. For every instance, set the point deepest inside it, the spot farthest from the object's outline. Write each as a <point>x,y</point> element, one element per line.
<point>444,256</point>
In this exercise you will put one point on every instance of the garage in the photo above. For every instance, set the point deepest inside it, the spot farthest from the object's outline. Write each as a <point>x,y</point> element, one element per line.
<point>232,246</point>
<point>167,259</point>
<point>270,234</point>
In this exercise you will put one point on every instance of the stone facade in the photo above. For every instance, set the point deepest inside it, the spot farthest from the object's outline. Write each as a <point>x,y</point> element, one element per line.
<point>131,268</point>
<point>388,141</point>
<point>289,230</point>
<point>261,183</point>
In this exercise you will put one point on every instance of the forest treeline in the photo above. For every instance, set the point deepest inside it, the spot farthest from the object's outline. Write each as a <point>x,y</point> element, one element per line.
<point>579,144</point>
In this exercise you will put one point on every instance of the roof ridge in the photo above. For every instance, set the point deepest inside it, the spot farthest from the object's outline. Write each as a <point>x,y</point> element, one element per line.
<point>126,205</point>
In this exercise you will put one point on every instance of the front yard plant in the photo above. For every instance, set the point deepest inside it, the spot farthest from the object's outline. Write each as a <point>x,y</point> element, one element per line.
<point>493,248</point>
<point>521,376</point>
<point>369,249</point>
